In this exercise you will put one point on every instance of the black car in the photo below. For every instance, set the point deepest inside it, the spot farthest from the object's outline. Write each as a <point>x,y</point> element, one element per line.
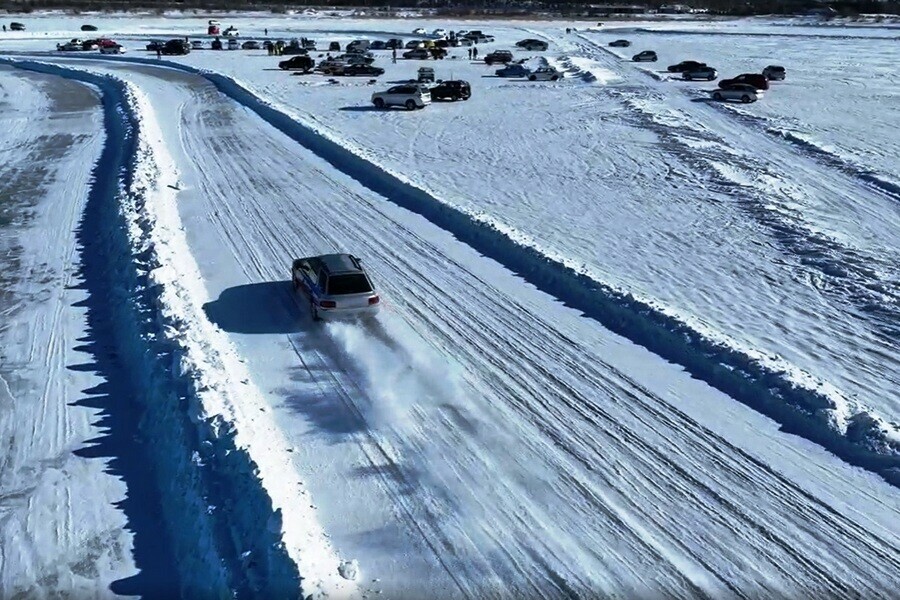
<point>394,43</point>
<point>685,65</point>
<point>451,90</point>
<point>364,70</point>
<point>216,44</point>
<point>334,47</point>
<point>175,48</point>
<point>301,62</point>
<point>89,28</point>
<point>16,26</point>
<point>153,46</point>
<point>498,56</point>
<point>417,54</point>
<point>531,44</point>
<point>620,44</point>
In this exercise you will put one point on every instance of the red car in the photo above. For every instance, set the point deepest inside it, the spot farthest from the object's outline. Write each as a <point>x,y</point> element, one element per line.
<point>757,80</point>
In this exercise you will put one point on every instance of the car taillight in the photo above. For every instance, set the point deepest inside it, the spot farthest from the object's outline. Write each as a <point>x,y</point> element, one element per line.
<point>327,304</point>
<point>373,300</point>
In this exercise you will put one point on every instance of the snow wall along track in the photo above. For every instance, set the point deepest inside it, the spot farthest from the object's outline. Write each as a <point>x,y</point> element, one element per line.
<point>863,440</point>
<point>223,528</point>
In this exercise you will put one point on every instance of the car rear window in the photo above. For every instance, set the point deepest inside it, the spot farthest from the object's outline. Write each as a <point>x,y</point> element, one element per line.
<point>348,284</point>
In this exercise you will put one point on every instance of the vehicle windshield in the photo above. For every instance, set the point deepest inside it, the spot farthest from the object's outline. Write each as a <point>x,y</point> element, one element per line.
<point>348,284</point>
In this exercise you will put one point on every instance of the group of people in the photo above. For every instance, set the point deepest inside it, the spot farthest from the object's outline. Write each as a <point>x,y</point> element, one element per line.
<point>473,53</point>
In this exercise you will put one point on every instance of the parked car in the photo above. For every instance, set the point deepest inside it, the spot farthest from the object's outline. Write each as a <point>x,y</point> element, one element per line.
<point>704,72</point>
<point>461,41</point>
<point>153,46</point>
<point>231,32</point>
<point>532,45</point>
<point>175,48</point>
<point>337,286</point>
<point>410,96</point>
<point>112,49</point>
<point>419,31</point>
<point>425,75</point>
<point>438,53</point>
<point>357,59</point>
<point>451,90</point>
<point>216,44</point>
<point>71,46</point>
<point>301,62</point>
<point>514,70</point>
<point>620,44</point>
<point>16,26</point>
<point>393,43</point>
<point>645,56</point>
<point>757,80</point>
<point>545,74</point>
<point>362,70</point>
<point>743,92</point>
<point>251,45</point>
<point>358,46</point>
<point>498,56</point>
<point>439,32</point>
<point>417,54</point>
<point>334,47</point>
<point>774,73</point>
<point>233,44</point>
<point>331,66</point>
<point>685,65</point>
<point>378,45</point>
<point>413,44</point>
<point>90,45</point>
<point>89,28</point>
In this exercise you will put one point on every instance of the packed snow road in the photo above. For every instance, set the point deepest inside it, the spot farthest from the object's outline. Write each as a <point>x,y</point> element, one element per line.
<point>70,468</point>
<point>481,439</point>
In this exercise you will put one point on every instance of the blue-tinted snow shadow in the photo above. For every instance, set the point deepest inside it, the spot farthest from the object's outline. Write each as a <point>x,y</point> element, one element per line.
<point>258,308</point>
<point>119,444</point>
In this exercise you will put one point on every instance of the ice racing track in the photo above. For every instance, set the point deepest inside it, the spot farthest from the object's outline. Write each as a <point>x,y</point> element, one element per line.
<point>609,445</point>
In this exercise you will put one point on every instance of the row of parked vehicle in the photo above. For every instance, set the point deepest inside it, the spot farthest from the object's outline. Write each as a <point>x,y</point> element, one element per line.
<point>106,46</point>
<point>747,87</point>
<point>415,95</point>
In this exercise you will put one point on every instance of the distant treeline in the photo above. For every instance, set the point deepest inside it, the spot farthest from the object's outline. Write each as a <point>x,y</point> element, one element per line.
<point>525,8</point>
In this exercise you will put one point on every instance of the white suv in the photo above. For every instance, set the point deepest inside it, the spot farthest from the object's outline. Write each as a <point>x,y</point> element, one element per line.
<point>409,96</point>
<point>545,74</point>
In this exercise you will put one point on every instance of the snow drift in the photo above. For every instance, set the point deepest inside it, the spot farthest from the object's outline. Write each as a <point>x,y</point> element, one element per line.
<point>238,522</point>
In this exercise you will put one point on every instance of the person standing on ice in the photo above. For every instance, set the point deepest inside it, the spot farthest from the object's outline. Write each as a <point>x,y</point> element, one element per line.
<point>470,53</point>
<point>158,52</point>
<point>266,30</point>
<point>474,53</point>
<point>394,55</point>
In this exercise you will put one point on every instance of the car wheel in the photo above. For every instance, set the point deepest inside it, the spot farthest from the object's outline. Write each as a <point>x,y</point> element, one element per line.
<point>711,77</point>
<point>687,77</point>
<point>717,96</point>
<point>531,78</point>
<point>455,98</point>
<point>745,99</point>
<point>379,103</point>
<point>410,105</point>
<point>554,78</point>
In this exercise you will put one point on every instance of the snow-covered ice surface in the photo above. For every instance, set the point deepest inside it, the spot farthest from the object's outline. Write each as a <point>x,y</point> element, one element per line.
<point>481,437</point>
<point>65,510</point>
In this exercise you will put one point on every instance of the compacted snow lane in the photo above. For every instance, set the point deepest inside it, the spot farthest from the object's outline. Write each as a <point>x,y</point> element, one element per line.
<point>67,525</point>
<point>479,439</point>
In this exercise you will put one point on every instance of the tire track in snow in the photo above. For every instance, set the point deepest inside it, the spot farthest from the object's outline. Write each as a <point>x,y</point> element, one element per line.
<point>479,334</point>
<point>867,440</point>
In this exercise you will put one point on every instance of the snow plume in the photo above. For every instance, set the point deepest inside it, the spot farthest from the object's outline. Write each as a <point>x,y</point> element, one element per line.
<point>238,519</point>
<point>397,375</point>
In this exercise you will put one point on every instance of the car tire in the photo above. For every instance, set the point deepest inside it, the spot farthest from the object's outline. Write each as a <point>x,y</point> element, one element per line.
<point>455,97</point>
<point>717,96</point>
<point>410,105</point>
<point>686,77</point>
<point>532,78</point>
<point>554,78</point>
<point>745,99</point>
<point>378,102</point>
<point>711,78</point>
